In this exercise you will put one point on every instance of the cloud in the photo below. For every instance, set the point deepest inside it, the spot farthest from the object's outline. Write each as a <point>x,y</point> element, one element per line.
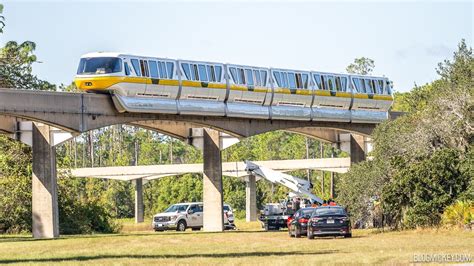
<point>437,51</point>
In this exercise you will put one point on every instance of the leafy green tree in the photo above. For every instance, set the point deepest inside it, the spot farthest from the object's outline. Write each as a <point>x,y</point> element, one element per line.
<point>424,158</point>
<point>15,186</point>
<point>16,67</point>
<point>79,210</point>
<point>459,71</point>
<point>361,66</point>
<point>423,189</point>
<point>2,19</point>
<point>361,188</point>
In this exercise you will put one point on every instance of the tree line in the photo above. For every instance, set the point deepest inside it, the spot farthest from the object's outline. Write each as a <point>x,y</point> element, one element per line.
<point>423,161</point>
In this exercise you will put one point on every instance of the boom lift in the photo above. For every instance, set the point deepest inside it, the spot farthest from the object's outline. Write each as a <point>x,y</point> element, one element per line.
<point>275,215</point>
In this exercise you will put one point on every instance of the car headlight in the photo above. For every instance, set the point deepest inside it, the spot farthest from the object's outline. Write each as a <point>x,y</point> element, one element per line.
<point>173,217</point>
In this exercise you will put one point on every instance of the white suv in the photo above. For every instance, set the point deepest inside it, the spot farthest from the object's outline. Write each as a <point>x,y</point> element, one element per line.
<point>187,215</point>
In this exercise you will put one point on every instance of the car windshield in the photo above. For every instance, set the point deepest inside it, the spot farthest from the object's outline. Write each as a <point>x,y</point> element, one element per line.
<point>226,208</point>
<point>177,208</point>
<point>306,212</point>
<point>99,65</point>
<point>329,211</point>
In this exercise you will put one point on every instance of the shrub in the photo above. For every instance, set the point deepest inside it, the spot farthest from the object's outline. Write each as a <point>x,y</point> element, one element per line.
<point>459,214</point>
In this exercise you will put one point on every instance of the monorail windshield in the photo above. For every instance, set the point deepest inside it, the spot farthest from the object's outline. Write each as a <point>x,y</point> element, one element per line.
<point>99,65</point>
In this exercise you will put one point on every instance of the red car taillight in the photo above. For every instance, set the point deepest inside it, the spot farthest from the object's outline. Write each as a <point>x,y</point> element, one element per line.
<point>303,220</point>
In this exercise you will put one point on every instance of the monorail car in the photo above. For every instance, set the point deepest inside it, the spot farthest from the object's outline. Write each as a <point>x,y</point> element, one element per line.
<point>160,85</point>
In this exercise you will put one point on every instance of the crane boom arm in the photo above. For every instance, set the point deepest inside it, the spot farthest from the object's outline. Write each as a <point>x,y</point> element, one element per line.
<point>297,185</point>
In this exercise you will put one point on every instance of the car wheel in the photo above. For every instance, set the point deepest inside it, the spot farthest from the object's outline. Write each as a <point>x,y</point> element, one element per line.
<point>297,233</point>
<point>266,227</point>
<point>196,228</point>
<point>181,226</point>
<point>310,235</point>
<point>348,235</point>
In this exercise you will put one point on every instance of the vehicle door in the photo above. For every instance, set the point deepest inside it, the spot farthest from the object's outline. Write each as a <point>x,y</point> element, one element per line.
<point>199,214</point>
<point>193,215</point>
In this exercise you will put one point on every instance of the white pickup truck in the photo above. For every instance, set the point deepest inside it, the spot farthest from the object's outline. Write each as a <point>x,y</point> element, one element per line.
<point>181,216</point>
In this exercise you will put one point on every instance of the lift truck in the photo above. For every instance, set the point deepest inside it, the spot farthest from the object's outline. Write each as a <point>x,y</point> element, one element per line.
<point>275,215</point>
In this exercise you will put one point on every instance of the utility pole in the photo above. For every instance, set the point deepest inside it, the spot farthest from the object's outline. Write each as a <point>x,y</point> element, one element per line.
<point>308,171</point>
<point>331,191</point>
<point>321,151</point>
<point>171,151</point>
<point>91,147</point>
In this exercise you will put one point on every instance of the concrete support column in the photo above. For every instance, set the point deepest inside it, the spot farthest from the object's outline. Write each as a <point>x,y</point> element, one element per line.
<point>213,220</point>
<point>357,148</point>
<point>44,184</point>
<point>251,199</point>
<point>139,207</point>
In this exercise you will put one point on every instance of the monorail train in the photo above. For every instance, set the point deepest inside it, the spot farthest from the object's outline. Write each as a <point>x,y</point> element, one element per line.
<point>160,85</point>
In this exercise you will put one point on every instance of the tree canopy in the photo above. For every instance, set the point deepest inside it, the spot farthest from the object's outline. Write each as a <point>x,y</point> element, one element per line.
<point>422,160</point>
<point>361,66</point>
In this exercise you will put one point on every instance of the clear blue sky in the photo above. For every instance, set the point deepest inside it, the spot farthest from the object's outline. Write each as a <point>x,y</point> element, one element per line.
<point>406,39</point>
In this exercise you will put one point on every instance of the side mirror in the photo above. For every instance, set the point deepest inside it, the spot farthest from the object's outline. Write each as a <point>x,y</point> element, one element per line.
<point>190,211</point>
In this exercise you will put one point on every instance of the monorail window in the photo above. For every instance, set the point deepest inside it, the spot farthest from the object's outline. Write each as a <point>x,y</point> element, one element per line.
<point>277,76</point>
<point>372,86</point>
<point>331,84</point>
<point>258,81</point>
<point>378,89</point>
<point>304,79</point>
<point>136,66</point>
<point>365,87</point>
<point>380,85</point>
<point>299,82</point>
<point>218,70</point>
<point>291,80</point>
<point>344,83</point>
<point>241,76</point>
<point>324,83</point>
<point>211,73</point>
<point>233,73</point>
<point>359,84</point>
<point>194,72</point>
<point>186,70</point>
<point>263,75</point>
<point>99,65</point>
<point>170,68</point>
<point>142,68</point>
<point>318,80</point>
<point>127,69</point>
<point>202,73</point>
<point>338,84</point>
<point>147,71</point>
<point>284,80</point>
<point>153,69</point>
<point>248,72</point>
<point>389,87</point>
<point>162,68</point>
<point>368,88</point>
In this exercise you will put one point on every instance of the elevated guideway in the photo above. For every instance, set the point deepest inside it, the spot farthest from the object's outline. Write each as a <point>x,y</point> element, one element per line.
<point>57,116</point>
<point>143,174</point>
<point>233,169</point>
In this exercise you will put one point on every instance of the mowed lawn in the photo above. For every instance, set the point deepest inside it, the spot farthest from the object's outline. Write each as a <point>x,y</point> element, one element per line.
<point>249,245</point>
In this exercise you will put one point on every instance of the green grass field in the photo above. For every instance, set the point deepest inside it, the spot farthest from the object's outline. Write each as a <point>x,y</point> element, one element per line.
<point>249,245</point>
